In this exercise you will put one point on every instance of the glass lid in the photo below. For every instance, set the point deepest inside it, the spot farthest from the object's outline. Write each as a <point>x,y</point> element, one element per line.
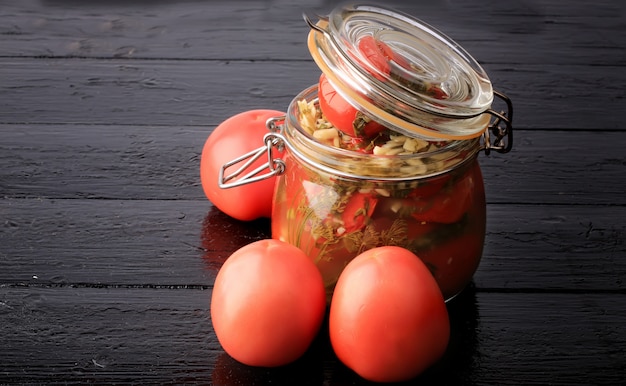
<point>402,72</point>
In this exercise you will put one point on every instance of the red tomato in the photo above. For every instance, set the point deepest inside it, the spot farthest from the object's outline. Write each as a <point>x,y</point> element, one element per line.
<point>388,321</point>
<point>342,114</point>
<point>455,260</point>
<point>385,62</point>
<point>358,211</point>
<point>430,186</point>
<point>452,201</point>
<point>233,138</point>
<point>376,53</point>
<point>381,57</point>
<point>268,303</point>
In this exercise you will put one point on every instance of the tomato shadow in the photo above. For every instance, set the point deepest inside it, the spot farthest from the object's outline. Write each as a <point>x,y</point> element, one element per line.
<point>305,371</point>
<point>222,235</point>
<point>459,363</point>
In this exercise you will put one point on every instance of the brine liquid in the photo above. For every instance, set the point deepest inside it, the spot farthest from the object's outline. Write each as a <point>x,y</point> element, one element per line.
<point>333,219</point>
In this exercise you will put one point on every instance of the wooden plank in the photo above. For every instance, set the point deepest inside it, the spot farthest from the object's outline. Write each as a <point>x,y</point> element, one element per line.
<point>145,92</point>
<point>494,32</point>
<point>579,339</point>
<point>183,243</point>
<point>554,248</point>
<point>104,335</point>
<point>111,335</point>
<point>162,162</point>
<point>104,242</point>
<point>198,93</point>
<point>161,92</point>
<point>96,161</point>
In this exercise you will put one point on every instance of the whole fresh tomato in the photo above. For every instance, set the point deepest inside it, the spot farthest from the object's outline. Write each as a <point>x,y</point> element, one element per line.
<point>388,320</point>
<point>342,114</point>
<point>233,138</point>
<point>268,303</point>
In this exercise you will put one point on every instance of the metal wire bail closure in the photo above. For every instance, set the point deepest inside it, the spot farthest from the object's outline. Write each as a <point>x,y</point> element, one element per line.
<point>500,129</point>
<point>273,167</point>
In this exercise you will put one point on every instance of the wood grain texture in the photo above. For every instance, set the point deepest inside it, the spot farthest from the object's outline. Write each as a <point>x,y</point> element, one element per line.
<point>109,249</point>
<point>109,335</point>
<point>162,162</point>
<point>158,92</point>
<point>529,31</point>
<point>182,243</point>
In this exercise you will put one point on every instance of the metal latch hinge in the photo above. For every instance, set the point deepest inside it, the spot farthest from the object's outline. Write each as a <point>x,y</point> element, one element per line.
<point>499,134</point>
<point>273,167</point>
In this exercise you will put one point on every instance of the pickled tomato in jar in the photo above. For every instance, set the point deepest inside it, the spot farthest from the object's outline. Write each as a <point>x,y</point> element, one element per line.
<point>365,202</point>
<point>383,150</point>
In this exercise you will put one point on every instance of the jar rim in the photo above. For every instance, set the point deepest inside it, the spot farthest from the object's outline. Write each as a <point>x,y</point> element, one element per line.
<point>429,86</point>
<point>354,164</point>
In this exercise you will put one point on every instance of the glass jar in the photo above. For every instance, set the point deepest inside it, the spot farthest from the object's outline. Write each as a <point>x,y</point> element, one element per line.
<point>419,184</point>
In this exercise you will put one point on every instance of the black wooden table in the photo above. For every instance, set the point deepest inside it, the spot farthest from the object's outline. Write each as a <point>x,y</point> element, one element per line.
<point>108,247</point>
